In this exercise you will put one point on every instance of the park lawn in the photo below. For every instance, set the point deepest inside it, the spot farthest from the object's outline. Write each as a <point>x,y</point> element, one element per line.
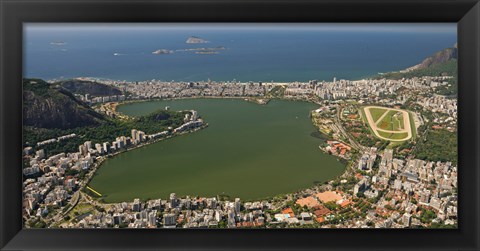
<point>81,208</point>
<point>377,113</point>
<point>398,122</point>
<point>387,123</point>
<point>394,136</point>
<point>412,125</point>
<point>394,144</point>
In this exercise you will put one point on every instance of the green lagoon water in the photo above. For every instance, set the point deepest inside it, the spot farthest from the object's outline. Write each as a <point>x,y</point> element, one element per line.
<point>248,151</point>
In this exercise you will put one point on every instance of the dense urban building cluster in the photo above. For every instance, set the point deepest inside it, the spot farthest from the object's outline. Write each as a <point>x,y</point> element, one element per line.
<point>438,103</point>
<point>177,212</point>
<point>161,89</point>
<point>50,141</point>
<point>53,181</point>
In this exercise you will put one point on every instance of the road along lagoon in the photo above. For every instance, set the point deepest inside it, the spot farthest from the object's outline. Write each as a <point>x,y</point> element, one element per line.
<point>248,151</point>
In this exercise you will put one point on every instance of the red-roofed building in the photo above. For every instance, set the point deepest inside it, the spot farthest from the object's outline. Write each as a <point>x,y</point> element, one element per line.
<point>345,203</point>
<point>288,211</point>
<point>321,211</point>
<point>328,196</point>
<point>245,224</point>
<point>320,219</point>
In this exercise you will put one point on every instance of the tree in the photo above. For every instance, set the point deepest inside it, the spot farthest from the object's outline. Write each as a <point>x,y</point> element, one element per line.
<point>427,216</point>
<point>331,205</point>
<point>40,224</point>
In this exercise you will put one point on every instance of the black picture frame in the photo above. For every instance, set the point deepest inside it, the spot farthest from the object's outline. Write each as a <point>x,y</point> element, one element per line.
<point>14,13</point>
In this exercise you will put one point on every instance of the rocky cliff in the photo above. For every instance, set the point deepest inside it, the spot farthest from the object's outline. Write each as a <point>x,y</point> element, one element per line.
<point>50,106</point>
<point>440,57</point>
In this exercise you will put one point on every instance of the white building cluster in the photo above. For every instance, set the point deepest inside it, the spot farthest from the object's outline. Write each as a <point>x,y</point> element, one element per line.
<point>51,182</point>
<point>178,212</point>
<point>49,141</point>
<point>101,99</point>
<point>411,185</point>
<point>440,104</point>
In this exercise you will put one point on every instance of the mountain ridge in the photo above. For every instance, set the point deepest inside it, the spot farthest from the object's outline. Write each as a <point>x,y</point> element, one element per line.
<point>50,106</point>
<point>88,87</point>
<point>438,58</point>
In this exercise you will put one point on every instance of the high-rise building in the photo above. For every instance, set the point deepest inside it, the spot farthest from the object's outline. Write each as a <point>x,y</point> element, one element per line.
<point>363,162</point>
<point>424,197</point>
<point>169,220</point>
<point>173,200</point>
<point>194,115</point>
<point>28,150</point>
<point>152,218</point>
<point>82,150</point>
<point>40,154</point>
<point>188,203</point>
<point>214,203</point>
<point>106,147</point>
<point>136,205</point>
<point>237,205</point>
<point>99,148</point>
<point>406,219</point>
<point>84,165</point>
<point>134,136</point>
<point>141,136</point>
<point>360,186</point>
<point>117,219</point>
<point>88,145</point>
<point>231,218</point>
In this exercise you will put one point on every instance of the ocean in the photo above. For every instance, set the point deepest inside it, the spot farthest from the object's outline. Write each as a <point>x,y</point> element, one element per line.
<point>293,53</point>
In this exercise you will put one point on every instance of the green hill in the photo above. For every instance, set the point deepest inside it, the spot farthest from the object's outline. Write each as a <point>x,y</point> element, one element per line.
<point>50,106</point>
<point>442,63</point>
<point>447,68</point>
<point>50,111</point>
<point>88,87</point>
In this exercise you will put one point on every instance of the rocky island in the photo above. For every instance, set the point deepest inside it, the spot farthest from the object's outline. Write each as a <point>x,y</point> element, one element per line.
<point>58,43</point>
<point>162,51</point>
<point>196,40</point>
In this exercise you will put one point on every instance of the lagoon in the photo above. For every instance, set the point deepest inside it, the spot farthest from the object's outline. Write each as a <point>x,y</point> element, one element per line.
<point>248,151</point>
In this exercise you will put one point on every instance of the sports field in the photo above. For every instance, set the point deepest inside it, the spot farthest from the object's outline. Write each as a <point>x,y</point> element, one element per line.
<point>377,113</point>
<point>389,123</point>
<point>392,121</point>
<point>390,135</point>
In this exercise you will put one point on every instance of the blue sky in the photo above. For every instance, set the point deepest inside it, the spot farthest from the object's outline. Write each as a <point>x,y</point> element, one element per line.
<point>341,27</point>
